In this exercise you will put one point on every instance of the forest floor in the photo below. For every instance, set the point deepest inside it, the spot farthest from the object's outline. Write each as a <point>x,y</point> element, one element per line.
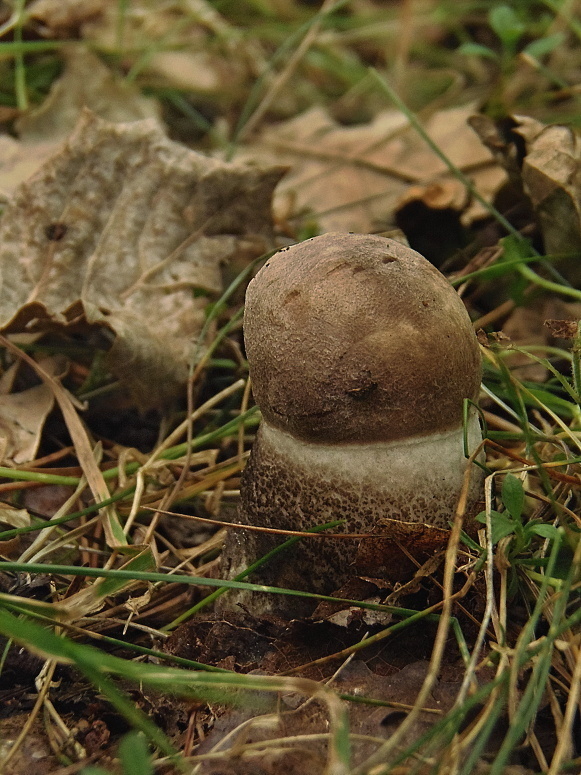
<point>154,154</point>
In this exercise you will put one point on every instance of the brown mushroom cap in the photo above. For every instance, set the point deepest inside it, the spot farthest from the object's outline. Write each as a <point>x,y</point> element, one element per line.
<point>357,338</point>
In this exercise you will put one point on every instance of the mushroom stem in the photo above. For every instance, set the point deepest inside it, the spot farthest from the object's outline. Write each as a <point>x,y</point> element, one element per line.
<point>293,484</point>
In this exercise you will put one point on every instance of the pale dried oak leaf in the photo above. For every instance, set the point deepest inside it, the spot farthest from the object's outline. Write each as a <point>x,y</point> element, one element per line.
<point>118,230</point>
<point>353,178</point>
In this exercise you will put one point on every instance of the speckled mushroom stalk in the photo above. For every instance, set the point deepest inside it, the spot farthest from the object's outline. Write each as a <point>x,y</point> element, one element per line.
<point>361,355</point>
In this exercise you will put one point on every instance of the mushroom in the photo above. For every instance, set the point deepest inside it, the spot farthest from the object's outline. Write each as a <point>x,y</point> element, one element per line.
<point>361,355</point>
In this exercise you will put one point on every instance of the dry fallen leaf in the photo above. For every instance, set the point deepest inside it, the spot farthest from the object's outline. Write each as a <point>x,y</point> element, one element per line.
<point>118,230</point>
<point>151,26</point>
<point>542,323</point>
<point>351,178</point>
<point>22,418</point>
<point>200,51</point>
<point>18,161</point>
<point>63,18</point>
<point>195,71</point>
<point>549,171</point>
<point>551,174</point>
<point>524,327</point>
<point>293,720</point>
<point>85,83</point>
<point>12,516</point>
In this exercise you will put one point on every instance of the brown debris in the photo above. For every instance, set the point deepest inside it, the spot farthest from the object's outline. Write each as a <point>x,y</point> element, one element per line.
<point>563,329</point>
<point>142,222</point>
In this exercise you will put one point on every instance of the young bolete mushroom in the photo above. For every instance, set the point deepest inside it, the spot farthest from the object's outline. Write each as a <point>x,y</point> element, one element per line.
<point>361,355</point>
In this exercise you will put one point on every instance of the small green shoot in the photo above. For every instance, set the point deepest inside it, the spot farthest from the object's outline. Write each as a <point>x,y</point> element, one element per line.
<point>511,27</point>
<point>509,522</point>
